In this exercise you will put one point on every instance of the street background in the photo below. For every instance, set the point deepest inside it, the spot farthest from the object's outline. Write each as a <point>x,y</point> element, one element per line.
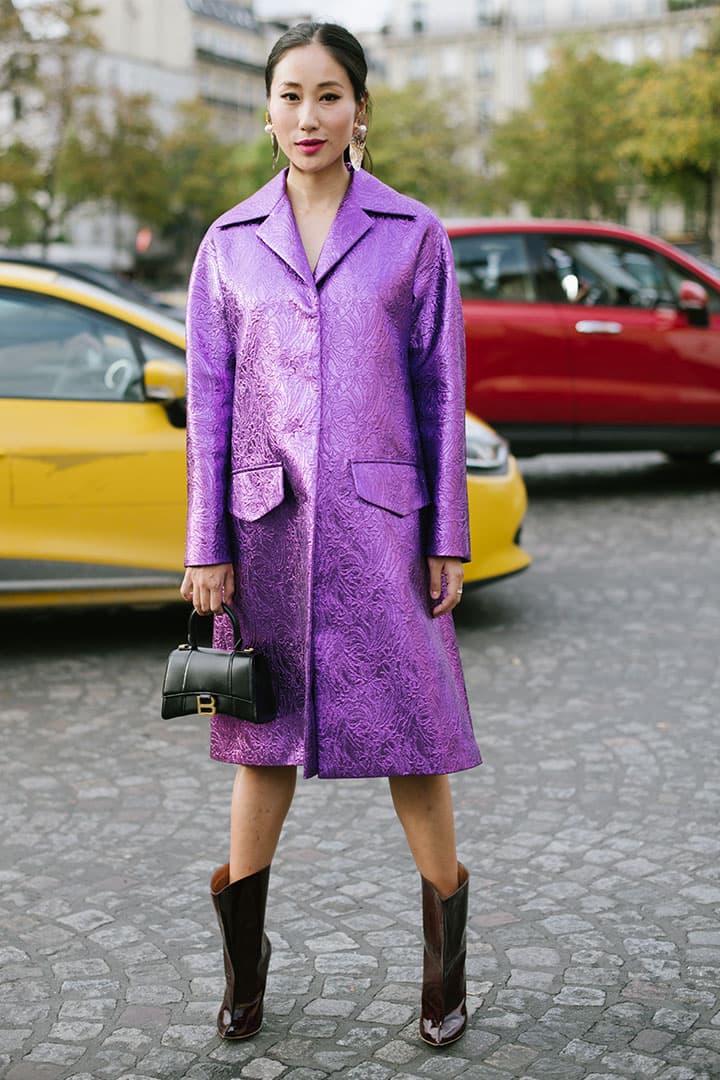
<point>591,832</point>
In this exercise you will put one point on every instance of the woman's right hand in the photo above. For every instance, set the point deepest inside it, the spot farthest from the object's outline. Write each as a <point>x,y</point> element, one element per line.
<point>206,587</point>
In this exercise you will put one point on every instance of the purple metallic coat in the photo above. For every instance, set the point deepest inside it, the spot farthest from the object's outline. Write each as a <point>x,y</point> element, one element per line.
<point>326,459</point>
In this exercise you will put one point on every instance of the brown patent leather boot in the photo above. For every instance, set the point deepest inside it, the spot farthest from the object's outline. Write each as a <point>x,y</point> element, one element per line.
<point>240,910</point>
<point>443,1014</point>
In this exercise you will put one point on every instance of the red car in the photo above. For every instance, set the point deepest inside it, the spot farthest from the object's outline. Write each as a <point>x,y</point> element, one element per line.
<point>585,336</point>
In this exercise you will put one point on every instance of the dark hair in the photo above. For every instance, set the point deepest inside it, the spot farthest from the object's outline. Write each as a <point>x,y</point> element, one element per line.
<point>345,48</point>
<point>339,42</point>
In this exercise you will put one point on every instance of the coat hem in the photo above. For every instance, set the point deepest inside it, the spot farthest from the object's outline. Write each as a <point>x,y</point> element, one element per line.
<point>325,775</point>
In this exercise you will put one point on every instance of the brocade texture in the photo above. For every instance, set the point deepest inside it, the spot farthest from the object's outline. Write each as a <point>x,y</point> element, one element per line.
<point>326,459</point>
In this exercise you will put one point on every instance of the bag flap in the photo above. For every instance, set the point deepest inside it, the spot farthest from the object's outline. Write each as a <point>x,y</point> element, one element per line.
<point>256,491</point>
<point>398,486</point>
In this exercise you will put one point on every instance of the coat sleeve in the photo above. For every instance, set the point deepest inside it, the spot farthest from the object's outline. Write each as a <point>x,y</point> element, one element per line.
<point>437,367</point>
<point>210,375</point>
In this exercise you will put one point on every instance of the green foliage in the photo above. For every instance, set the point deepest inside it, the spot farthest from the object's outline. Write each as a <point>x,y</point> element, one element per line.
<point>40,73</point>
<point>202,177</point>
<point>674,127</point>
<point>561,155</point>
<point>415,150</point>
<point>20,217</point>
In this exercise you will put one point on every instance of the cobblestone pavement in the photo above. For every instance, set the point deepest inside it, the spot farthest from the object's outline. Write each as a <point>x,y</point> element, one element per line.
<point>591,832</point>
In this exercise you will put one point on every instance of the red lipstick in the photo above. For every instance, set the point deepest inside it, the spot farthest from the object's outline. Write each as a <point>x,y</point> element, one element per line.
<point>310,146</point>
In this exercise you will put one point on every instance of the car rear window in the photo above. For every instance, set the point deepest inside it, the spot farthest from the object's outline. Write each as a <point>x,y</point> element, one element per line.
<point>493,266</point>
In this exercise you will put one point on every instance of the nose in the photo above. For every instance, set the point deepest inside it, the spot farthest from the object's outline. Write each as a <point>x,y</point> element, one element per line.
<point>308,116</point>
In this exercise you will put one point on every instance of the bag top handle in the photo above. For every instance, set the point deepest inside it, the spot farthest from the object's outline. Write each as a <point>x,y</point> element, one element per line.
<point>227,610</point>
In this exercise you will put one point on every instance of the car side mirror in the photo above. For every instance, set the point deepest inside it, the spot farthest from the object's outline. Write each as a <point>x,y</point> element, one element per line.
<point>693,302</point>
<point>165,381</point>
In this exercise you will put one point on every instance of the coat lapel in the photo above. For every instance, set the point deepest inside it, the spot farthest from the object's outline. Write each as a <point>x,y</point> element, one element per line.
<point>280,232</point>
<point>349,225</point>
<point>352,220</point>
<point>365,197</point>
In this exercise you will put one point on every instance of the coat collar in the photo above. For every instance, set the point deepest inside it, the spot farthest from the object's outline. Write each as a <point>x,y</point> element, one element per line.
<point>365,197</point>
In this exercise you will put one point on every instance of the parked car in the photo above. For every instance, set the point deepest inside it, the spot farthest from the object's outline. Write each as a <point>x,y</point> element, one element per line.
<point>92,451</point>
<point>584,336</point>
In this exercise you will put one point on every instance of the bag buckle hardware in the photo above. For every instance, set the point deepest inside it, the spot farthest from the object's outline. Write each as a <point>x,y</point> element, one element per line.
<point>206,704</point>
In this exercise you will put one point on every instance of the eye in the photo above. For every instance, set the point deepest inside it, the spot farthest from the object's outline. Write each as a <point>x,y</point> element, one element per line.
<point>330,97</point>
<point>289,95</point>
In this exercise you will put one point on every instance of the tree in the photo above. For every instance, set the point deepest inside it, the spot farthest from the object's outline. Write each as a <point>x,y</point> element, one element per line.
<point>19,213</point>
<point>42,51</point>
<point>205,175</point>
<point>675,117</point>
<point>561,155</point>
<point>115,157</point>
<point>415,150</point>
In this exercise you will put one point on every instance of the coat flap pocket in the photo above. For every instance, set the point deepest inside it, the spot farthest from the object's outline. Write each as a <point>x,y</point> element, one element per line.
<point>398,486</point>
<point>255,491</point>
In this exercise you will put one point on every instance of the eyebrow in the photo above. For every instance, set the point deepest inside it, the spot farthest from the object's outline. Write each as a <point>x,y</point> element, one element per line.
<point>330,82</point>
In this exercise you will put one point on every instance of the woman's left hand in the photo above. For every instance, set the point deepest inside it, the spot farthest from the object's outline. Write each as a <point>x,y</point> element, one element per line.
<point>452,569</point>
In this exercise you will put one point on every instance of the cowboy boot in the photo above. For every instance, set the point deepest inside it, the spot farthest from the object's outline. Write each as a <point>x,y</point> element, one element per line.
<point>240,910</point>
<point>443,1015</point>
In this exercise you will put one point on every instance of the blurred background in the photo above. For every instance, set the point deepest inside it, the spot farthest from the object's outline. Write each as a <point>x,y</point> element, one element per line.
<point>127,126</point>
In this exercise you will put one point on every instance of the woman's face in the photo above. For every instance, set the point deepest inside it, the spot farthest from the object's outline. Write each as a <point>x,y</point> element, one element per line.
<point>312,107</point>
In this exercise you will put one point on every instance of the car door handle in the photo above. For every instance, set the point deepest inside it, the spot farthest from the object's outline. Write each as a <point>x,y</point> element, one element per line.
<point>598,326</point>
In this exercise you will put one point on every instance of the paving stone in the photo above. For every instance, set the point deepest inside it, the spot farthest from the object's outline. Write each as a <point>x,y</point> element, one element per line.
<point>263,1069</point>
<point>591,833</point>
<point>512,1056</point>
<point>533,957</point>
<point>329,1007</point>
<point>675,1019</point>
<point>369,1070</point>
<point>317,1029</point>
<point>633,1064</point>
<point>13,1038</point>
<point>75,1030</point>
<point>305,1074</point>
<point>580,995</point>
<point>442,1067</point>
<point>582,1051</point>
<point>396,1052</point>
<point>651,1040</point>
<point>56,1053</point>
<point>385,1012</point>
<point>553,1069</point>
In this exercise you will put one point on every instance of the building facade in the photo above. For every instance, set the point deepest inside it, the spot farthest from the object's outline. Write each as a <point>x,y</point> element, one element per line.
<point>174,51</point>
<point>483,55</point>
<point>180,49</point>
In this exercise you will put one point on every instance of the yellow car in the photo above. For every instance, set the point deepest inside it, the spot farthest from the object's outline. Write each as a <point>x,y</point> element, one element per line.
<point>92,451</point>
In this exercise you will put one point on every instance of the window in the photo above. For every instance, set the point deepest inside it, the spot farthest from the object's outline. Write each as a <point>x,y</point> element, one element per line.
<point>623,49</point>
<point>536,60</point>
<point>598,271</point>
<point>156,349</point>
<point>484,63</point>
<point>493,266</point>
<point>653,46</point>
<point>57,350</point>
<point>418,66</point>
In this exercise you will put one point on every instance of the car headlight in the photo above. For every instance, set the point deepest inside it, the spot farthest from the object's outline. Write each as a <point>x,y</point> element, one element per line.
<point>485,449</point>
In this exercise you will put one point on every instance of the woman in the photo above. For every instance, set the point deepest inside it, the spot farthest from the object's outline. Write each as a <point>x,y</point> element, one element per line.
<point>327,497</point>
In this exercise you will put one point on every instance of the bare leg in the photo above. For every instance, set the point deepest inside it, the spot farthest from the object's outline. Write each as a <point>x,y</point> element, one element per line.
<point>261,799</point>
<point>424,806</point>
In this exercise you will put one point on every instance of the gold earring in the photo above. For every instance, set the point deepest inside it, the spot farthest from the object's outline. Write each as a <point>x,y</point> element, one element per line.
<point>357,145</point>
<point>273,140</point>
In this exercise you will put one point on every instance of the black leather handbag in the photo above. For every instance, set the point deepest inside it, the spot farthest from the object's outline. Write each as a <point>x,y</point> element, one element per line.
<point>204,681</point>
